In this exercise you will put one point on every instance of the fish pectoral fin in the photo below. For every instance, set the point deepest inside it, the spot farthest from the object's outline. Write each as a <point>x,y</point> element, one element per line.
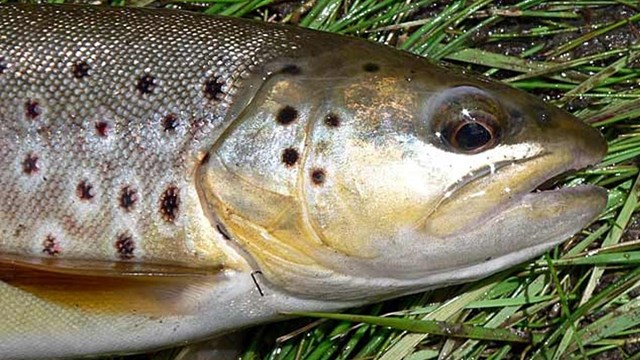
<point>110,288</point>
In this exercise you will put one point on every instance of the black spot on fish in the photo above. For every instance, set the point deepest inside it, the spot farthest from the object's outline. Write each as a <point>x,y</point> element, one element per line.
<point>80,69</point>
<point>125,246</point>
<point>290,156</point>
<point>128,198</point>
<point>213,88</point>
<point>169,203</point>
<point>50,246</point>
<point>146,84</point>
<point>18,231</point>
<point>85,191</point>
<point>102,128</point>
<point>32,109</point>
<point>370,67</point>
<point>3,65</point>
<point>291,69</point>
<point>318,176</point>
<point>170,122</point>
<point>287,115</point>
<point>223,232</point>
<point>30,164</point>
<point>332,120</point>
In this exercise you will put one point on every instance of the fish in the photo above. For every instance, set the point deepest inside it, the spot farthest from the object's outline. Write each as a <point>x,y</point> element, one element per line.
<point>170,176</point>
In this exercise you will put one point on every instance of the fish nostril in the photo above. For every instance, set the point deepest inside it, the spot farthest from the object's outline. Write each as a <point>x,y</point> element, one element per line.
<point>542,116</point>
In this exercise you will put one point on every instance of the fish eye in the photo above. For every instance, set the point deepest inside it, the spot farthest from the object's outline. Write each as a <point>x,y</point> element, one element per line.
<point>468,120</point>
<point>474,133</point>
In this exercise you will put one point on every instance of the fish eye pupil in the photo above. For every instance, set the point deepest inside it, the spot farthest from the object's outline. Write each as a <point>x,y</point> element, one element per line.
<point>472,136</point>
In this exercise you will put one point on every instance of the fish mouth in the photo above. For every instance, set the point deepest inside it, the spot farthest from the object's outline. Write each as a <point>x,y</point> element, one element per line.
<point>504,216</point>
<point>525,183</point>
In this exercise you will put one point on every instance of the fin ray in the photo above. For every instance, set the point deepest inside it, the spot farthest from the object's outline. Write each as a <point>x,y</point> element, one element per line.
<point>108,287</point>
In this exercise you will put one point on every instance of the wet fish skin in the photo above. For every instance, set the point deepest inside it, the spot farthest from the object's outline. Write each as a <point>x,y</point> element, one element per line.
<point>153,161</point>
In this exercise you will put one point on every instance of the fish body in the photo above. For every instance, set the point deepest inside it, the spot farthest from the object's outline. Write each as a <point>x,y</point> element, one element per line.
<point>170,176</point>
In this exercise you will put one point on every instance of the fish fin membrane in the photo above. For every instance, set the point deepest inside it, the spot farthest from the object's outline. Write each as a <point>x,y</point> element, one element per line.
<point>110,287</point>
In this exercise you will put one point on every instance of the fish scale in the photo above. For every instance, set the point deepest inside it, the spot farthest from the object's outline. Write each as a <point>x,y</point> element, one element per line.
<point>169,176</point>
<point>130,86</point>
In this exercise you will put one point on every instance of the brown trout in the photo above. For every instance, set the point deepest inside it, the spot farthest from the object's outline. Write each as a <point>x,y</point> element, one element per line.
<point>169,176</point>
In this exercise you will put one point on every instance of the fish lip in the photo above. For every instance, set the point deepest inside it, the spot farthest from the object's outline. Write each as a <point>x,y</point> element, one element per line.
<point>504,185</point>
<point>582,189</point>
<point>547,181</point>
<point>550,183</point>
<point>535,191</point>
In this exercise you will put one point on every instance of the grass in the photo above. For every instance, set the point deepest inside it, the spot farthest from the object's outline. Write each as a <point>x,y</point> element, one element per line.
<point>579,300</point>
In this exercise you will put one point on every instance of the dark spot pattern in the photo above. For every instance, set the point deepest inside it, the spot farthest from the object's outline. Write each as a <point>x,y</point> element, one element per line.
<point>125,246</point>
<point>170,203</point>
<point>370,67</point>
<point>291,69</point>
<point>146,84</point>
<point>213,89</point>
<point>50,246</point>
<point>128,198</point>
<point>85,191</point>
<point>318,176</point>
<point>287,115</point>
<point>80,69</point>
<point>19,229</point>
<point>3,65</point>
<point>102,128</point>
<point>30,164</point>
<point>223,232</point>
<point>290,156</point>
<point>170,122</point>
<point>332,120</point>
<point>32,109</point>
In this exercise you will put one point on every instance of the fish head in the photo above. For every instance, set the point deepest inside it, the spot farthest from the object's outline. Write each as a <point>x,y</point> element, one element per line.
<point>406,176</point>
